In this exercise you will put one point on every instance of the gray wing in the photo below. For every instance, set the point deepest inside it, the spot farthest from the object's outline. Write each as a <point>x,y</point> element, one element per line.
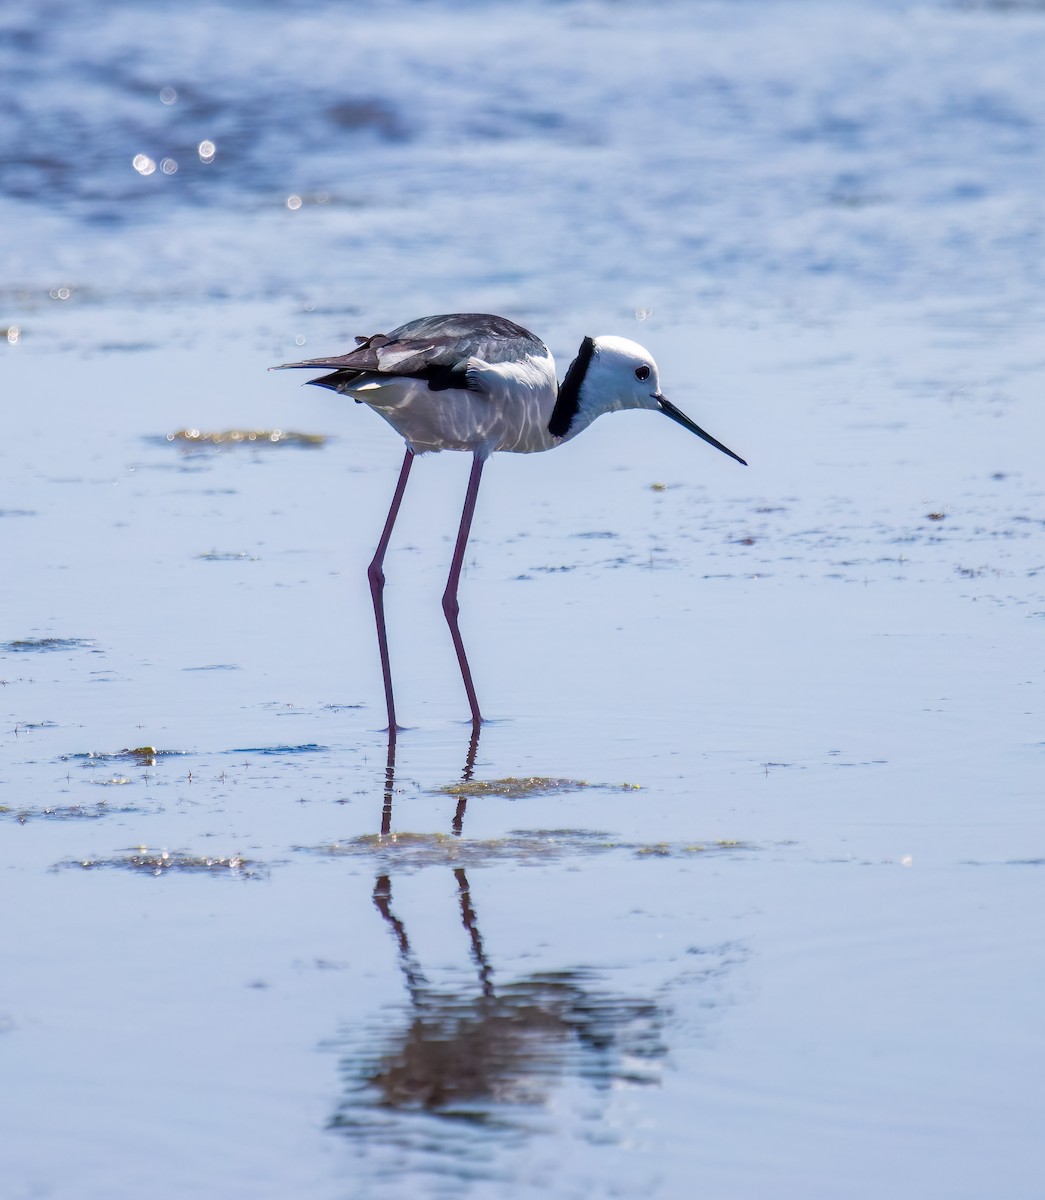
<point>435,349</point>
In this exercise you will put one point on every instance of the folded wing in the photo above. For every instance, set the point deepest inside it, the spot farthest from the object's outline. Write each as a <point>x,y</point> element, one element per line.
<point>437,350</point>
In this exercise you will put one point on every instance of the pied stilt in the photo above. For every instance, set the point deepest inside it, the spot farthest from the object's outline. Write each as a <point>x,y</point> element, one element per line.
<point>476,382</point>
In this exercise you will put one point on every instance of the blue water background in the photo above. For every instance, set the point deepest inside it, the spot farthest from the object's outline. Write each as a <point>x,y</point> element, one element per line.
<point>787,941</point>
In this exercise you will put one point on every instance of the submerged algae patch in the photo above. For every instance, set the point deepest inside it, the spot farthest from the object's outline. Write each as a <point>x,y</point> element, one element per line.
<point>190,438</point>
<point>142,756</point>
<point>441,849</point>
<point>227,556</point>
<point>162,862</point>
<point>674,850</point>
<point>519,846</point>
<point>515,788</point>
<point>68,812</point>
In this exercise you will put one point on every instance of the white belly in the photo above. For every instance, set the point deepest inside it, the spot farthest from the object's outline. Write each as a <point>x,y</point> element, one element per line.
<point>511,414</point>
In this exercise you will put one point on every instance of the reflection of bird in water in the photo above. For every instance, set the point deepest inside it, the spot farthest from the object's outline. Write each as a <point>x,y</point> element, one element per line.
<point>465,1050</point>
<point>482,1052</point>
<point>475,382</point>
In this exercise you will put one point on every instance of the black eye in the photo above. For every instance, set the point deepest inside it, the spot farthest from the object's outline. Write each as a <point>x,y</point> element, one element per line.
<point>642,372</point>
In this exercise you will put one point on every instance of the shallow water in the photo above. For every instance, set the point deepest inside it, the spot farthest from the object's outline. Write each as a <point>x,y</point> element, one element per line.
<point>741,890</point>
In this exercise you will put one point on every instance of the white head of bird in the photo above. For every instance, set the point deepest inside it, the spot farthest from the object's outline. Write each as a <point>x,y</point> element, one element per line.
<point>617,374</point>
<point>622,374</point>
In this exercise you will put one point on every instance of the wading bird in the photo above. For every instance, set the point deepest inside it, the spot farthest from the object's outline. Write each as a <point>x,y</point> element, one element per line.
<point>476,382</point>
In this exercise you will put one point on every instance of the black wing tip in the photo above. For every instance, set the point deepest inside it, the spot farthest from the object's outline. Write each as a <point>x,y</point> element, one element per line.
<point>311,364</point>
<point>333,380</point>
<point>326,381</point>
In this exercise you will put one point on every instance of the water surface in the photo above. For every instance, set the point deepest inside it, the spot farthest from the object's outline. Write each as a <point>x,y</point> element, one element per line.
<point>769,925</point>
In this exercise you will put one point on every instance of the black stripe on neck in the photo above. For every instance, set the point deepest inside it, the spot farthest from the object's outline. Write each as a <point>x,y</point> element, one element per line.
<point>568,400</point>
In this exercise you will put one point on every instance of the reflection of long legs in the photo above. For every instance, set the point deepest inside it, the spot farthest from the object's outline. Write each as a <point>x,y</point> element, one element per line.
<point>450,605</point>
<point>466,775</point>
<point>464,897</point>
<point>390,779</point>
<point>376,576</point>
<point>415,980</point>
<point>458,822</point>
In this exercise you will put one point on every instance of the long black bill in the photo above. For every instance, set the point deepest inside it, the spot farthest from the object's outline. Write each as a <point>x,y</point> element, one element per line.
<point>669,410</point>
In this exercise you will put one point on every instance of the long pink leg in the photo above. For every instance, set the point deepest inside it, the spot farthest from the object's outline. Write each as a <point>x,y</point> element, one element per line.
<point>376,575</point>
<point>450,605</point>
